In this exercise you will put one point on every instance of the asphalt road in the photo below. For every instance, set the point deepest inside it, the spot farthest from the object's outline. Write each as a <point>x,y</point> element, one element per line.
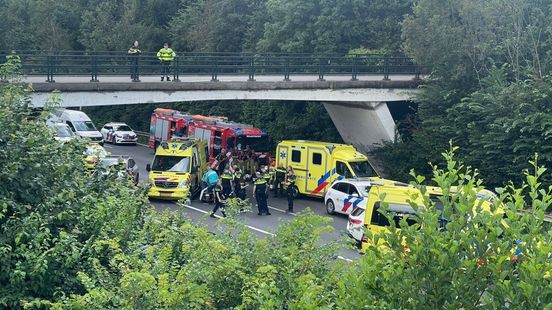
<point>262,226</point>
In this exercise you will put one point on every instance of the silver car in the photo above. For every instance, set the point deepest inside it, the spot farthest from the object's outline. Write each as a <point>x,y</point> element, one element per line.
<point>127,164</point>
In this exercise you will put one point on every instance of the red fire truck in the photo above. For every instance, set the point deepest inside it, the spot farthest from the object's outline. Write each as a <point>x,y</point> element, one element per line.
<point>219,133</point>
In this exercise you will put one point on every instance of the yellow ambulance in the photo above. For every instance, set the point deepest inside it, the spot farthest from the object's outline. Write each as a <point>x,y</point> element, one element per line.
<point>398,198</point>
<point>317,164</point>
<point>177,167</point>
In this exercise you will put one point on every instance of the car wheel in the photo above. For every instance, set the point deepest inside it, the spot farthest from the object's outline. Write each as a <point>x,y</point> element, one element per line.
<point>330,207</point>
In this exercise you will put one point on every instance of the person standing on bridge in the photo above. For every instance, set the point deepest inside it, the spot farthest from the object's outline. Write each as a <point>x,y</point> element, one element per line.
<point>166,56</point>
<point>134,52</point>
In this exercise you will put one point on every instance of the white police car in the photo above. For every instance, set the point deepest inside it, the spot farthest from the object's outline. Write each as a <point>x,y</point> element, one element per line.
<point>118,133</point>
<point>347,194</point>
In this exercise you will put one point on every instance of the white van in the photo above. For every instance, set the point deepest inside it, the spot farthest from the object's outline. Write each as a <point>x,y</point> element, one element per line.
<point>80,124</point>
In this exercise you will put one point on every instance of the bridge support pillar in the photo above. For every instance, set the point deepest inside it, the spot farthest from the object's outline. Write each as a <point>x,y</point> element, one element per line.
<point>363,124</point>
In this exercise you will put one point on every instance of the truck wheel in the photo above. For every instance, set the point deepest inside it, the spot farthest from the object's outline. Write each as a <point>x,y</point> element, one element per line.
<point>330,207</point>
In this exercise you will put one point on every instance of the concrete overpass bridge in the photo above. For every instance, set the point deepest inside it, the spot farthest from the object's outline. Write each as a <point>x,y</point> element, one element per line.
<point>354,89</point>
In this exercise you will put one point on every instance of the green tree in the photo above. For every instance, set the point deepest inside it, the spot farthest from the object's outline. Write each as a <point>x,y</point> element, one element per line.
<point>111,26</point>
<point>51,211</point>
<point>212,25</point>
<point>328,26</point>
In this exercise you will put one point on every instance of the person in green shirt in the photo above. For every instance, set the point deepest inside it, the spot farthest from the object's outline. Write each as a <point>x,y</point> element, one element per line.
<point>166,56</point>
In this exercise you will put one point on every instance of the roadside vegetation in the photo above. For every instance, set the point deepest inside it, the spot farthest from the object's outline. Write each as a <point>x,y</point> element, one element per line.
<point>71,240</point>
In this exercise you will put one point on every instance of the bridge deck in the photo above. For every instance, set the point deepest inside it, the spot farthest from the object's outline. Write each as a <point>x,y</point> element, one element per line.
<point>225,82</point>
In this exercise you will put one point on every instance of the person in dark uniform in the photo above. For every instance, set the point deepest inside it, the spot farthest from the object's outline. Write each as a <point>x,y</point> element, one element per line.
<point>268,178</point>
<point>219,199</point>
<point>290,184</point>
<point>134,52</point>
<point>239,183</point>
<point>259,188</point>
<point>279,180</point>
<point>227,178</point>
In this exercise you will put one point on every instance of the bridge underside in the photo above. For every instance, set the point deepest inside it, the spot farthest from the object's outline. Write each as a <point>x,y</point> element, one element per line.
<point>366,125</point>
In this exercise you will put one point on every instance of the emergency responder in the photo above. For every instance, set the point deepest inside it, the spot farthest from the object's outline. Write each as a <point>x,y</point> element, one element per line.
<point>134,52</point>
<point>279,181</point>
<point>290,188</point>
<point>227,178</point>
<point>209,181</point>
<point>219,199</point>
<point>239,183</point>
<point>166,56</point>
<point>259,188</point>
<point>268,174</point>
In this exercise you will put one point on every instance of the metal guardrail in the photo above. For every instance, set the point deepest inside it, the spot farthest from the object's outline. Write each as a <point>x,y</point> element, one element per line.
<point>96,64</point>
<point>143,137</point>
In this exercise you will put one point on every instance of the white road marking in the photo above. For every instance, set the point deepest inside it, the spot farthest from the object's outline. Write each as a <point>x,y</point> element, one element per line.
<point>260,230</point>
<point>344,259</point>
<point>283,211</point>
<point>217,216</point>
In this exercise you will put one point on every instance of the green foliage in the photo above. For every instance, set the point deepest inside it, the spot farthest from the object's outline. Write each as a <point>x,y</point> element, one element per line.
<point>203,25</point>
<point>174,264</point>
<point>51,211</point>
<point>214,25</point>
<point>473,263</point>
<point>329,26</point>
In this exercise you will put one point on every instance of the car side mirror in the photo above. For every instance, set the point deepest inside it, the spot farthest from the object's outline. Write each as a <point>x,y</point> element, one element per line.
<point>148,167</point>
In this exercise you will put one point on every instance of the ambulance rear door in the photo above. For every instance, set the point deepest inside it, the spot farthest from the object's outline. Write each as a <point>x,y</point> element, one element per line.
<point>318,176</point>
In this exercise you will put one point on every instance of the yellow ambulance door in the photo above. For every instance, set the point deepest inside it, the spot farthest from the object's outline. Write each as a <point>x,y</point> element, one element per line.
<point>195,173</point>
<point>282,153</point>
<point>297,159</point>
<point>318,175</point>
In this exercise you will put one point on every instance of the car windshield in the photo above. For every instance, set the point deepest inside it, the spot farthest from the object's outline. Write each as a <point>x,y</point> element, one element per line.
<point>123,128</point>
<point>364,190</point>
<point>171,163</point>
<point>84,126</point>
<point>257,143</point>
<point>362,169</point>
<point>63,131</point>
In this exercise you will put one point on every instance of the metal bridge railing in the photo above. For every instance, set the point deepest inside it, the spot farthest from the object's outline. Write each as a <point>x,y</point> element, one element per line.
<point>96,64</point>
